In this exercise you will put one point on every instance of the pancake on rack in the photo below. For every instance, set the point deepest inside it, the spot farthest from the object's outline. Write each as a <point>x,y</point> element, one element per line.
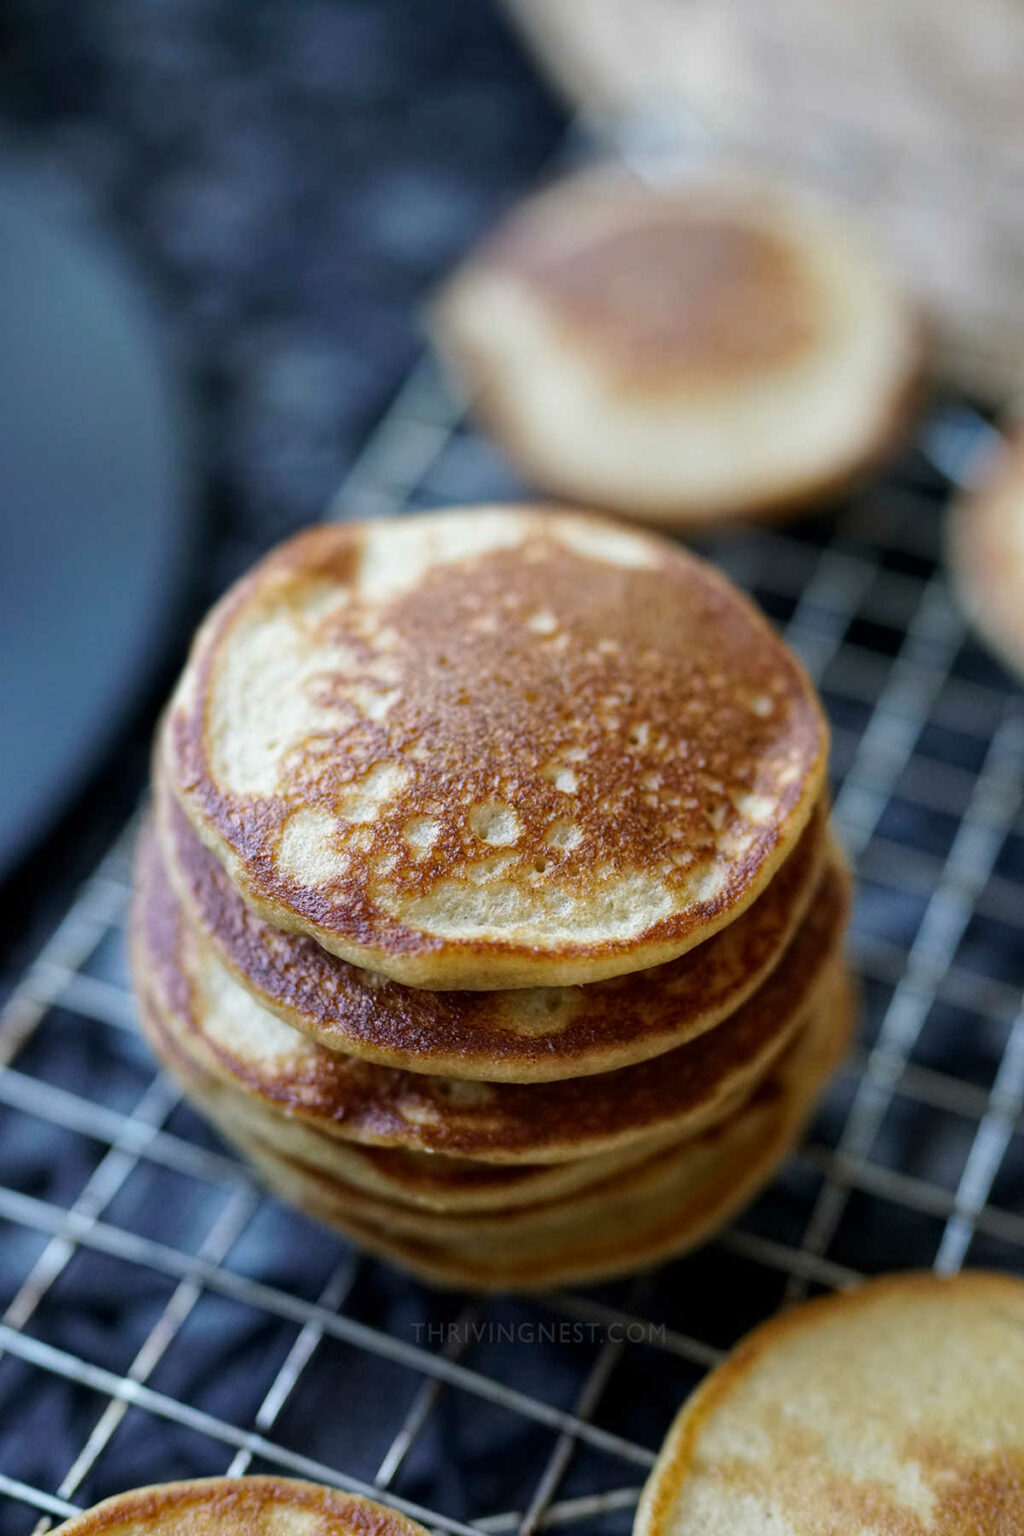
<point>218,1025</point>
<point>715,348</point>
<point>498,747</point>
<point>228,1506</point>
<point>520,1035</point>
<point>986,547</point>
<point>895,1408</point>
<point>631,1221</point>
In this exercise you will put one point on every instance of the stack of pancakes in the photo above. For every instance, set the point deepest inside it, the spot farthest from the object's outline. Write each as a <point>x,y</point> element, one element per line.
<point>488,902</point>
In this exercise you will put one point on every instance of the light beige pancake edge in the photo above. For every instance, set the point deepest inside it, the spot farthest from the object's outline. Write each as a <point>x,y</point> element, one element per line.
<point>455,811</point>
<point>894,1406</point>
<point>641,1232</point>
<point>227,1506</point>
<point>521,1036</point>
<point>985,540</point>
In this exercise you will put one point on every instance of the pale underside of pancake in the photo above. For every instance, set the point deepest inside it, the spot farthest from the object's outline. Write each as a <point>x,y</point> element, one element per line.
<point>638,1218</point>
<point>894,1409</point>
<point>229,1506</point>
<point>537,1034</point>
<point>987,554</point>
<point>429,1181</point>
<point>714,349</point>
<point>497,747</point>
<point>228,1035</point>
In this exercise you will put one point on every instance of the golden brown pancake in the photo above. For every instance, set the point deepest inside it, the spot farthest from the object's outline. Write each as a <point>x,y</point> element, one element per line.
<point>239,1506</point>
<point>636,1219</point>
<point>894,1409</point>
<point>425,1180</point>
<point>522,1035</point>
<point>498,747</point>
<point>227,1034</point>
<point>709,350</point>
<point>986,547</point>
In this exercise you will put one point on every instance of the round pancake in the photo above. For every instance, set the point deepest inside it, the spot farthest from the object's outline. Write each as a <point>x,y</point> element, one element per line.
<point>497,747</point>
<point>430,1181</point>
<point>220,1027</point>
<point>536,1034</point>
<point>661,1209</point>
<point>986,551</point>
<point>228,1506</point>
<point>710,350</point>
<point>895,1408</point>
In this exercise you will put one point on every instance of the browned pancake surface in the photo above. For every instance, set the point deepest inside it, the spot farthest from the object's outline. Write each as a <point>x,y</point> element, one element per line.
<point>894,1408</point>
<point>495,747</point>
<point>218,1023</point>
<point>231,1506</point>
<point>666,1205</point>
<point>667,288</point>
<point>522,1035</point>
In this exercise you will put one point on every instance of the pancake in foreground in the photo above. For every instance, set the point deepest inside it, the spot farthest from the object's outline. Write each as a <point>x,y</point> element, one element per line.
<point>707,350</point>
<point>987,553</point>
<point>229,1506</point>
<point>527,1034</point>
<point>494,748</point>
<point>895,1409</point>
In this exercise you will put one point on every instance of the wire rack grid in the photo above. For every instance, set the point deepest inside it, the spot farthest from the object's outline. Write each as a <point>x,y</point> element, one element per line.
<point>163,1318</point>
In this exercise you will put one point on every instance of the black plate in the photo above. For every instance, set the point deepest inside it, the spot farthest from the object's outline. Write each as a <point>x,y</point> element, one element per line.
<point>92,504</point>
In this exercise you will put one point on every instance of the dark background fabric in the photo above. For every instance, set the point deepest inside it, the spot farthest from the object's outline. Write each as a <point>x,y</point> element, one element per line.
<point>289,178</point>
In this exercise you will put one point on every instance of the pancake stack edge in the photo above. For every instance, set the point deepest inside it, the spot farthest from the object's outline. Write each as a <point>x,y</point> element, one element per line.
<point>488,904</point>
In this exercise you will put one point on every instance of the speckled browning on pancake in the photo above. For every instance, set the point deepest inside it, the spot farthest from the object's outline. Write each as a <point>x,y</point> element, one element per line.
<point>495,747</point>
<point>231,1506</point>
<point>665,1207</point>
<point>986,539</point>
<point>221,1027</point>
<point>894,1408</point>
<point>667,290</point>
<point>523,1035</point>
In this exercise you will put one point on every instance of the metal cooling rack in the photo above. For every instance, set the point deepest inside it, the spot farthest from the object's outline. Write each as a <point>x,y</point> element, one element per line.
<point>165,1319</point>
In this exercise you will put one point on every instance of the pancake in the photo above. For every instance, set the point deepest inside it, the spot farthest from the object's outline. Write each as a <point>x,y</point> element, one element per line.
<point>430,1181</point>
<point>228,1035</point>
<point>227,1506</point>
<point>986,550</point>
<point>661,1209</point>
<point>715,349</point>
<point>494,748</point>
<point>895,1408</point>
<point>523,1035</point>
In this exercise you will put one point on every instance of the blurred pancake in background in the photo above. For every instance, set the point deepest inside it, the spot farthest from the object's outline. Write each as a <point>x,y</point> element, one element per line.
<point>986,550</point>
<point>713,349</point>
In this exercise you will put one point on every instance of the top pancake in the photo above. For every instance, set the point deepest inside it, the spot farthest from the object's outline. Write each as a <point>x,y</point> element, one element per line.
<point>494,748</point>
<point>712,348</point>
<point>228,1506</point>
<point>895,1409</point>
